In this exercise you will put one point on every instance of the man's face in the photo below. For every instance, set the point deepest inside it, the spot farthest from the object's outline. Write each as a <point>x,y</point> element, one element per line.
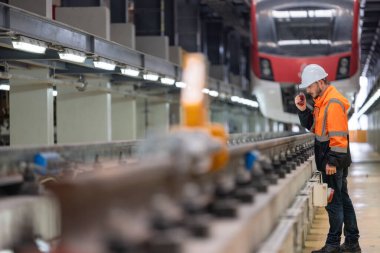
<point>314,90</point>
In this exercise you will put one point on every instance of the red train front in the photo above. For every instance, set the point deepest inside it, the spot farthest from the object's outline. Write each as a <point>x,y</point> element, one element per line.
<point>288,35</point>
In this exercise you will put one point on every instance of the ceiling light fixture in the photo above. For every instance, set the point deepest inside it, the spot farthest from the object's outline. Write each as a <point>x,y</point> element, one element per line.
<point>324,13</point>
<point>129,71</point>
<point>29,45</point>
<point>254,104</point>
<point>298,14</point>
<point>280,14</point>
<point>321,13</point>
<point>205,90</point>
<point>213,93</point>
<point>235,99</point>
<point>5,87</point>
<point>72,55</point>
<point>105,64</point>
<point>181,85</point>
<point>151,76</point>
<point>245,101</point>
<point>167,81</point>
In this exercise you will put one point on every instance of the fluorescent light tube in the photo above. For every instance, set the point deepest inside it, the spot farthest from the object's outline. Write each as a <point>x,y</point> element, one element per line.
<point>5,87</point>
<point>29,45</point>
<point>326,42</point>
<point>298,14</point>
<point>303,42</point>
<point>151,77</point>
<point>280,14</point>
<point>180,85</point>
<point>288,42</point>
<point>104,64</point>
<point>130,71</point>
<point>311,13</point>
<point>213,93</point>
<point>245,101</point>
<point>167,81</point>
<point>314,42</point>
<point>72,55</point>
<point>324,13</point>
<point>304,14</point>
<point>235,99</point>
<point>254,104</point>
<point>205,90</point>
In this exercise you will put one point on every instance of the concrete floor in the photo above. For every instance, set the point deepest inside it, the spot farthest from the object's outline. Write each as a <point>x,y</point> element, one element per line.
<point>364,188</point>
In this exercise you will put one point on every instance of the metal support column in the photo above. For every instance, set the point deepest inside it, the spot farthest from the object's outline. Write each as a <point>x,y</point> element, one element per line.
<point>31,108</point>
<point>124,118</point>
<point>84,116</point>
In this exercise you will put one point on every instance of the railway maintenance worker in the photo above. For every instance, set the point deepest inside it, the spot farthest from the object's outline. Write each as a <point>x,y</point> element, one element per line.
<point>328,121</point>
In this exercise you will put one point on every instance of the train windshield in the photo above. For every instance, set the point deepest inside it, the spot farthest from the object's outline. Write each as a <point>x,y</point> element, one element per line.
<point>304,31</point>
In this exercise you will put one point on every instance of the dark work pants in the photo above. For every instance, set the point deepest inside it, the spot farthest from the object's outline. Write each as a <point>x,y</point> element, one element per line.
<point>340,210</point>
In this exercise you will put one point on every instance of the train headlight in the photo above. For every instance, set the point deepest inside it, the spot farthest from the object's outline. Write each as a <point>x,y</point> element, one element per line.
<point>266,69</point>
<point>344,62</point>
<point>343,68</point>
<point>343,71</point>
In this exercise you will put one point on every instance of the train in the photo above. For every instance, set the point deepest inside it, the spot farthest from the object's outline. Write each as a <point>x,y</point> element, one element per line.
<point>287,35</point>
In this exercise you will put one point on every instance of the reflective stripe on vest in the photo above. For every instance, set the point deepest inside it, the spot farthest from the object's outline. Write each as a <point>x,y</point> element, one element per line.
<point>333,100</point>
<point>339,149</point>
<point>338,133</point>
<point>321,138</point>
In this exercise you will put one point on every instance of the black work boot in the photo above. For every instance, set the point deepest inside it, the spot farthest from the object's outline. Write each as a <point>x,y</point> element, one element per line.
<point>328,249</point>
<point>350,248</point>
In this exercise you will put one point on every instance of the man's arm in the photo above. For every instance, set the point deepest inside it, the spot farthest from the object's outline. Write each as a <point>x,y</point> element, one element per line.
<point>304,113</point>
<point>306,118</point>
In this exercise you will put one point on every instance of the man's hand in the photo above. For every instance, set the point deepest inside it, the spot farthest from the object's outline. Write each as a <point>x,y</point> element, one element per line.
<point>330,170</point>
<point>300,101</point>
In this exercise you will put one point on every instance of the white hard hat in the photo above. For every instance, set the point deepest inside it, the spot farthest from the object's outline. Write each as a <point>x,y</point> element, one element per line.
<point>311,74</point>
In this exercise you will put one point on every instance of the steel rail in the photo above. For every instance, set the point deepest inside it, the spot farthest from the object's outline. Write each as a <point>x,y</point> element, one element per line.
<point>13,157</point>
<point>14,160</point>
<point>263,145</point>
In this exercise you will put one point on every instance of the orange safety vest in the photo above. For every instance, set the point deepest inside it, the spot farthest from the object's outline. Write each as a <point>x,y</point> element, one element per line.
<point>330,119</point>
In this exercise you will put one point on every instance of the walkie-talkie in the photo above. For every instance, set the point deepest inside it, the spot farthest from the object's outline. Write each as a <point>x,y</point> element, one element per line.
<point>302,97</point>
